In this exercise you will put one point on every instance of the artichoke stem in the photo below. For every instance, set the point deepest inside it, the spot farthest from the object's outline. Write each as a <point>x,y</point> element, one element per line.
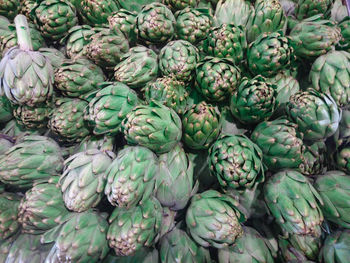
<point>23,35</point>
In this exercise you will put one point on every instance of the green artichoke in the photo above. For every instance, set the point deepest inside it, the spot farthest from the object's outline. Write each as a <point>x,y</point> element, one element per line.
<point>178,59</point>
<point>131,176</point>
<point>9,8</point>
<point>267,17</point>
<point>336,248</point>
<point>217,78</point>
<point>343,159</point>
<point>67,121</point>
<point>154,126</point>
<point>236,162</point>
<point>142,255</point>
<point>281,144</point>
<point>34,159</point>
<point>250,247</point>
<point>316,114</point>
<point>168,91</point>
<point>5,110</point>
<point>96,12</point>
<point>137,67</point>
<point>9,224</point>
<point>308,8</point>
<point>26,76</point>
<point>155,24</point>
<point>201,125</point>
<point>339,11</point>
<point>80,239</point>
<point>193,25</point>
<point>294,203</point>
<point>27,6</point>
<point>334,189</point>
<point>101,143</point>
<point>55,56</point>
<point>313,37</point>
<point>254,100</point>
<point>42,208</point>
<point>175,5</point>
<point>54,18</point>
<point>235,12</point>
<point>78,77</point>
<point>5,246</point>
<point>226,41</point>
<point>175,182</point>
<point>330,74</point>
<point>135,5</point>
<point>32,118</point>
<point>344,26</point>
<point>84,179</point>
<point>124,21</point>
<point>109,107</point>
<point>177,246</point>
<point>342,135</point>
<point>269,54</point>
<point>315,158</point>
<point>6,142</point>
<point>213,220</point>
<point>106,48</point>
<point>135,228</point>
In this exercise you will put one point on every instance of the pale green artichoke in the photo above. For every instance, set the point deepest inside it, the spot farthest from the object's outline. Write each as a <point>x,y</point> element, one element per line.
<point>9,224</point>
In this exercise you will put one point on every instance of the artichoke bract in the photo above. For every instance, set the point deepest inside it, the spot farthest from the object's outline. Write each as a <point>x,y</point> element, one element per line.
<point>42,208</point>
<point>343,159</point>
<point>315,158</point>
<point>201,125</point>
<point>254,100</point>
<point>137,67</point>
<point>96,12</point>
<point>32,117</point>
<point>168,91</point>
<point>250,247</point>
<point>5,110</point>
<point>334,189</point>
<point>336,248</point>
<point>268,17</point>
<point>193,25</point>
<point>236,162</point>
<point>288,194</point>
<point>124,21</point>
<point>330,74</point>
<point>84,179</point>
<point>235,12</point>
<point>102,143</point>
<point>26,76</point>
<point>131,177</point>
<point>82,238</point>
<point>308,8</point>
<point>9,224</point>
<point>226,41</point>
<point>316,114</point>
<point>217,78</point>
<point>55,56</point>
<point>9,8</point>
<point>344,26</point>
<point>175,182</point>
<point>155,24</point>
<point>178,59</point>
<point>175,5</point>
<point>76,78</point>
<point>34,159</point>
<point>135,228</point>
<point>177,246</point>
<point>281,144</point>
<point>213,220</point>
<point>67,120</point>
<point>154,126</point>
<point>269,54</point>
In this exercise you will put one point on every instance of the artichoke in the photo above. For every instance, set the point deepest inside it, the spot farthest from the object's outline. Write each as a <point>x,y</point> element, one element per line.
<point>9,8</point>
<point>226,41</point>
<point>217,78</point>
<point>55,56</point>
<point>5,110</point>
<point>178,59</point>
<point>67,121</point>
<point>137,67</point>
<point>42,208</point>
<point>84,179</point>
<point>32,118</point>
<point>201,125</point>
<point>336,248</point>
<point>168,91</point>
<point>294,203</point>
<point>9,224</point>
<point>26,76</point>
<point>339,11</point>
<point>80,239</point>
<point>334,189</point>
<point>54,18</point>
<point>124,21</point>
<point>142,255</point>
<point>254,100</point>
<point>131,176</point>
<point>96,12</point>
<point>316,114</point>
<point>344,26</point>
<point>6,142</point>
<point>269,54</point>
<point>26,8</point>
<point>34,159</point>
<point>175,5</point>
<point>235,12</point>
<point>343,158</point>
<point>135,5</point>
<point>135,228</point>
<point>315,158</point>
<point>101,143</point>
<point>213,220</point>
<point>193,25</point>
<point>78,77</point>
<point>330,74</point>
<point>155,24</point>
<point>236,162</point>
<point>153,126</point>
<point>109,106</point>
<point>308,8</point>
<point>281,144</point>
